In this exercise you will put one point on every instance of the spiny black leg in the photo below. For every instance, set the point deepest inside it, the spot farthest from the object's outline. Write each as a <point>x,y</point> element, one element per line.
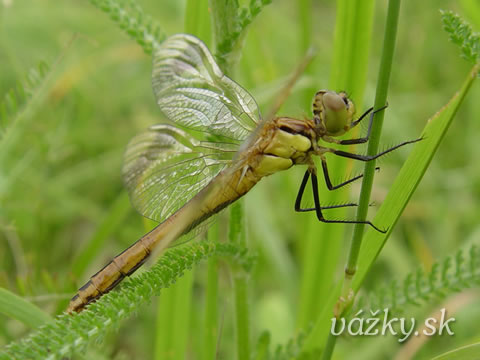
<point>355,123</point>
<point>319,211</point>
<point>338,206</point>
<point>298,201</point>
<point>371,157</point>
<point>327,207</point>
<point>328,181</point>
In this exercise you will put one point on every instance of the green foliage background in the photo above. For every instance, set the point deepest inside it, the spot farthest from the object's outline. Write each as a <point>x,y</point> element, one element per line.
<point>64,213</point>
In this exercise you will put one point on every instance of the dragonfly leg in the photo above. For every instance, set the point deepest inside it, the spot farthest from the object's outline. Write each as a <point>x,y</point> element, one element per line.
<point>329,182</point>
<point>356,122</point>
<point>298,201</point>
<point>371,157</point>
<point>319,209</point>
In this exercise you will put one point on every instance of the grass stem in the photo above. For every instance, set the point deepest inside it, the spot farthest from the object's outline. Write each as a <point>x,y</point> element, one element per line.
<point>242,316</point>
<point>380,101</point>
<point>209,347</point>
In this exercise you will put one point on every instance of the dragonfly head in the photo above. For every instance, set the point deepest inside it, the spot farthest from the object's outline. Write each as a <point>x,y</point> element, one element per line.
<point>332,112</point>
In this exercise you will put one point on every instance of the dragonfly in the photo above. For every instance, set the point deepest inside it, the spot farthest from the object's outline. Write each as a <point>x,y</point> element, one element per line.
<point>215,150</point>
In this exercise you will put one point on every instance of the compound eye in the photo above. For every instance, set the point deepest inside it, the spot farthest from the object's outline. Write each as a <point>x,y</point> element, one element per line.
<point>345,100</point>
<point>334,102</point>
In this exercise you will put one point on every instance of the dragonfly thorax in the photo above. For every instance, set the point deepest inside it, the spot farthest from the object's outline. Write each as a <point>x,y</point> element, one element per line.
<point>283,142</point>
<point>290,137</point>
<point>332,113</point>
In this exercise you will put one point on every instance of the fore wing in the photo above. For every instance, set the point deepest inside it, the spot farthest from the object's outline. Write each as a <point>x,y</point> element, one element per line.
<point>165,167</point>
<point>193,92</point>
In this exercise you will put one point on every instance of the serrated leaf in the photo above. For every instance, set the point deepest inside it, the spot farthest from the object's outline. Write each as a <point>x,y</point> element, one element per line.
<point>462,35</point>
<point>130,18</point>
<point>78,330</point>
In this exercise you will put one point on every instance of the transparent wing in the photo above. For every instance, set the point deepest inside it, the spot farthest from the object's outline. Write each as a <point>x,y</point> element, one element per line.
<point>165,167</point>
<point>192,91</point>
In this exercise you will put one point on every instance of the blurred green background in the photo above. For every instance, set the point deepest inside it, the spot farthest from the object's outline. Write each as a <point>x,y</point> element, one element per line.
<point>64,213</point>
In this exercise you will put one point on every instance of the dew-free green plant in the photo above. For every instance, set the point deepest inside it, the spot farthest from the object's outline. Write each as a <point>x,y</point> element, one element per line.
<point>18,97</point>
<point>320,246</point>
<point>388,214</point>
<point>130,17</point>
<point>72,333</point>
<point>452,274</point>
<point>462,35</point>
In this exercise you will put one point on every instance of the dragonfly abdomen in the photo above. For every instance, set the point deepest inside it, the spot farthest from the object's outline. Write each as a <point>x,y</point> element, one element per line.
<point>222,191</point>
<point>110,275</point>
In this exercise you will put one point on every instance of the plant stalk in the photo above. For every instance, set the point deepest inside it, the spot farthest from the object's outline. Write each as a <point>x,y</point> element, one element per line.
<point>347,296</point>
<point>380,101</point>
<point>210,335</point>
<point>242,316</point>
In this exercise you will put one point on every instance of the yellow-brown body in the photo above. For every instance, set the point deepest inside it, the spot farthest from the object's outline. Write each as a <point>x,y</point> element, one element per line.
<point>278,145</point>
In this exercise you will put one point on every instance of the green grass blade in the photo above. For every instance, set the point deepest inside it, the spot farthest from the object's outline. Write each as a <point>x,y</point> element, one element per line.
<point>408,179</point>
<point>114,218</point>
<point>242,318</point>
<point>374,140</point>
<point>18,308</point>
<point>318,337</point>
<point>197,20</point>
<point>305,11</point>
<point>210,328</point>
<point>173,319</point>
<point>469,352</point>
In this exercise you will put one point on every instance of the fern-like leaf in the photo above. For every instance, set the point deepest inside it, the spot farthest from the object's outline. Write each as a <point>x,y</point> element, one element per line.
<point>72,333</point>
<point>17,98</point>
<point>290,350</point>
<point>453,274</point>
<point>293,348</point>
<point>130,18</point>
<point>230,22</point>
<point>461,34</point>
